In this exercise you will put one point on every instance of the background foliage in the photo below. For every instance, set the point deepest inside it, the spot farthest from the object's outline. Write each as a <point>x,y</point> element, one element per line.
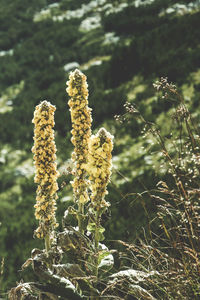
<point>122,47</point>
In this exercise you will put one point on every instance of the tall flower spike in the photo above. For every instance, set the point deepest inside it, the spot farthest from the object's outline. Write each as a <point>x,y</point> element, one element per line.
<point>44,150</point>
<point>99,167</point>
<point>81,132</point>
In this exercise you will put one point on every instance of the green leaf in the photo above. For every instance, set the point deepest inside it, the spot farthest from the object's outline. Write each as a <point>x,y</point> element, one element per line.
<point>69,270</point>
<point>105,259</point>
<point>101,231</point>
<point>91,227</point>
<point>133,278</point>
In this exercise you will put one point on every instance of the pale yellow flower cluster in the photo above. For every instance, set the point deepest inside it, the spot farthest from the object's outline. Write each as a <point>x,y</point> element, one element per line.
<point>99,167</point>
<point>44,150</point>
<point>81,132</point>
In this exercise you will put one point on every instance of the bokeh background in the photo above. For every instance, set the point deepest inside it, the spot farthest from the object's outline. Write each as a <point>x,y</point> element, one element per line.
<point>122,47</point>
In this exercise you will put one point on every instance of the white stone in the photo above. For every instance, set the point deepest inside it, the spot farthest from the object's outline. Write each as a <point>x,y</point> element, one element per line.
<point>110,38</point>
<point>91,22</point>
<point>6,52</point>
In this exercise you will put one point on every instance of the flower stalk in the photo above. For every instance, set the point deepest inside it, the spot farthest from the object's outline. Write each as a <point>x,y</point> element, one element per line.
<point>99,169</point>
<point>44,151</point>
<point>81,132</point>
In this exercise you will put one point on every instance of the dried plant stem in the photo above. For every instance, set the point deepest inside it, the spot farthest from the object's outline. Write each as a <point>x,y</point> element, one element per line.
<point>93,296</point>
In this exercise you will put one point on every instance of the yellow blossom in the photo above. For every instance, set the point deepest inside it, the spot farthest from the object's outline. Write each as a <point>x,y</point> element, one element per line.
<point>99,166</point>
<point>44,150</point>
<point>81,132</point>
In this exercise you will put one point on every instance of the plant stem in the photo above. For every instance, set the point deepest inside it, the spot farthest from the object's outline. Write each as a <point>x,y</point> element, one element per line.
<point>96,243</point>
<point>47,243</point>
<point>96,236</point>
<point>80,218</point>
<point>93,296</point>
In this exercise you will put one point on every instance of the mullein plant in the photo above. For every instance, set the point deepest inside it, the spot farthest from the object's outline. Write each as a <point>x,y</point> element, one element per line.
<point>99,170</point>
<point>44,150</point>
<point>92,156</point>
<point>92,168</point>
<point>87,259</point>
<point>81,132</point>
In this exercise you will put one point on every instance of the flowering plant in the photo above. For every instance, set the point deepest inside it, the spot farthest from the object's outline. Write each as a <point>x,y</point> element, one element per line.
<point>72,263</point>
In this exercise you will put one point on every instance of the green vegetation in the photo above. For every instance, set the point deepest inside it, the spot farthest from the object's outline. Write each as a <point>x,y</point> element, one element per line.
<point>75,263</point>
<point>128,50</point>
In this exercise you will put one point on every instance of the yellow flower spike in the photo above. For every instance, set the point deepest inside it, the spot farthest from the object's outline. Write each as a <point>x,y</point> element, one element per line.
<point>44,150</point>
<point>99,166</point>
<point>81,132</point>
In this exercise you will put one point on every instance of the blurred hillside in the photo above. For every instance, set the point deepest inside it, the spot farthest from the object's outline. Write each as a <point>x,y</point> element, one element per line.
<point>122,47</point>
